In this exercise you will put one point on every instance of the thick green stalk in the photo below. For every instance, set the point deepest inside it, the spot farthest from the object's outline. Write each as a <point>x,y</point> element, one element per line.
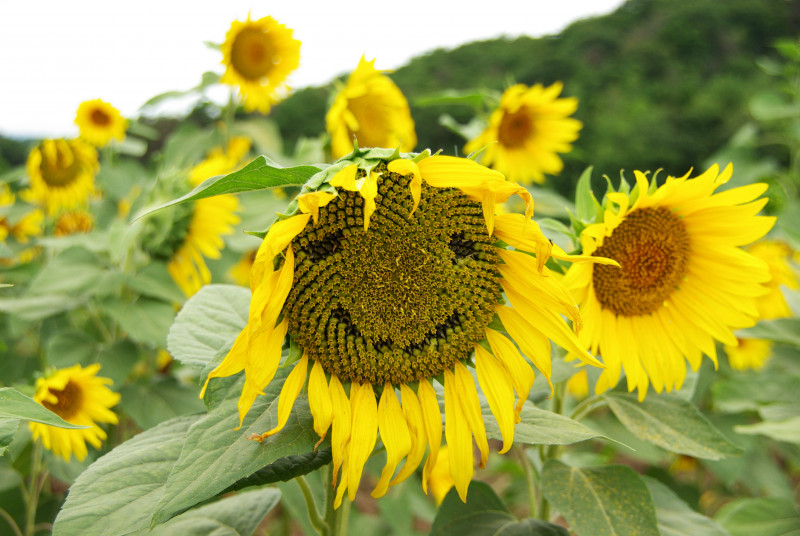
<point>313,513</point>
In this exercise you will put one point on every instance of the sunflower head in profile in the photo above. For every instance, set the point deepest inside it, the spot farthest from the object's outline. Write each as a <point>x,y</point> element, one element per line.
<point>258,56</point>
<point>73,222</point>
<point>62,173</point>
<point>185,235</point>
<point>78,396</point>
<point>393,273</point>
<point>683,283</point>
<point>527,131</point>
<point>99,122</point>
<point>372,109</point>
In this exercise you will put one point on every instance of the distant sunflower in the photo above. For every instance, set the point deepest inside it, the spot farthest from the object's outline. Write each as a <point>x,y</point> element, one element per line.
<point>206,220</point>
<point>240,272</point>
<point>99,122</point>
<point>258,56</point>
<point>62,173</point>
<point>78,396</point>
<point>683,282</point>
<point>372,109</point>
<point>753,353</point>
<point>388,278</point>
<point>73,222</point>
<point>21,228</point>
<point>527,131</point>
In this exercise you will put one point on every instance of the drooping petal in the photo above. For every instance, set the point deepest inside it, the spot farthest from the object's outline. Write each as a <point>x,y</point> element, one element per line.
<point>394,434</point>
<point>459,438</point>
<point>311,202</point>
<point>319,400</point>
<point>496,385</point>
<point>289,392</point>
<point>471,408</point>
<point>340,437</point>
<point>519,371</point>
<point>363,432</point>
<point>432,418</point>
<point>401,166</point>
<point>416,427</point>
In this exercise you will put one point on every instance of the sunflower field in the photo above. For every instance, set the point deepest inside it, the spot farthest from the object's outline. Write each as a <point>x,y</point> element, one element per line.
<point>301,312</point>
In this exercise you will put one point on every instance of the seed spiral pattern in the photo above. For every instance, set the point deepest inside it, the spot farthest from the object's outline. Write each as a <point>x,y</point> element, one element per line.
<point>402,301</point>
<point>652,248</point>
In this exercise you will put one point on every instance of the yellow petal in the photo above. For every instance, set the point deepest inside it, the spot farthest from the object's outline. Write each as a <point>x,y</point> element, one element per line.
<point>234,362</point>
<point>346,178</point>
<point>532,342</point>
<point>497,388</point>
<point>369,190</point>
<point>432,418</point>
<point>519,371</point>
<point>471,407</point>
<point>311,202</point>
<point>524,234</point>
<point>459,438</point>
<point>394,434</point>
<point>416,427</point>
<point>280,234</point>
<point>289,392</point>
<point>259,372</point>
<point>402,166</point>
<point>319,400</point>
<point>363,433</point>
<point>340,436</point>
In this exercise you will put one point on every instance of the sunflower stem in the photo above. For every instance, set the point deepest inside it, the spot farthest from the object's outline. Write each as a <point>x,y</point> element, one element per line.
<point>587,406</point>
<point>531,477</point>
<point>335,518</point>
<point>14,527</point>
<point>313,513</point>
<point>38,477</point>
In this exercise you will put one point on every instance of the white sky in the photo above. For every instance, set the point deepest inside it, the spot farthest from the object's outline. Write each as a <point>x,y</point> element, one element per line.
<point>54,54</point>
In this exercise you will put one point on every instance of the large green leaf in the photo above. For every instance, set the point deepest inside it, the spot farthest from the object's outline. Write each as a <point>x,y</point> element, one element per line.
<point>151,403</point>
<point>216,454</point>
<point>782,330</point>
<point>238,515</point>
<point>782,430</point>
<point>484,514</point>
<point>675,517</point>
<point>761,517</point>
<point>8,429</point>
<point>145,320</point>
<point>118,493</point>
<point>541,427</point>
<point>38,307</point>
<point>15,405</point>
<point>672,423</point>
<point>260,174</point>
<point>600,501</point>
<point>208,323</point>
<point>75,271</point>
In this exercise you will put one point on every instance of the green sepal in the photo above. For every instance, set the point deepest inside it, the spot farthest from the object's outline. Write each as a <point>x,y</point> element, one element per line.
<point>587,208</point>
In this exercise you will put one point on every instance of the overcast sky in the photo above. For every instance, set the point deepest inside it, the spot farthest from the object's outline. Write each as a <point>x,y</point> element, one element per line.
<point>54,54</point>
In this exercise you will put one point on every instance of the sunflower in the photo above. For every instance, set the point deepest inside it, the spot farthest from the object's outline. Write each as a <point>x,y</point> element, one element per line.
<point>78,396</point>
<point>527,131</point>
<point>683,282</point>
<point>388,277</point>
<point>753,353</point>
<point>73,222</point>
<point>258,56</point>
<point>372,109</point>
<point>99,122</point>
<point>62,173</point>
<point>22,228</point>
<point>206,221</point>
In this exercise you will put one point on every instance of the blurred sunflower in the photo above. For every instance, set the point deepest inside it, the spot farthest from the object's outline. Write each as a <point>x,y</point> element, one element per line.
<point>258,56</point>
<point>387,278</point>
<point>240,272</point>
<point>753,353</point>
<point>99,122</point>
<point>62,173</point>
<point>683,282</point>
<point>372,109</point>
<point>73,222</point>
<point>527,131</point>
<point>22,228</point>
<point>206,220</point>
<point>78,396</point>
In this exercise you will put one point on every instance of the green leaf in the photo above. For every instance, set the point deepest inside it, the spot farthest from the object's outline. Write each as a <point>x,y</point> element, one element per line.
<point>260,174</point>
<point>75,271</point>
<point>8,429</point>
<point>675,517</point>
<point>484,514</point>
<point>208,323</point>
<point>762,517</point>
<point>285,469</point>
<point>238,515</point>
<point>673,424</point>
<point>150,404</point>
<point>34,308</point>
<point>601,501</point>
<point>145,320</point>
<point>782,331</point>
<point>586,205</point>
<point>216,454</point>
<point>118,360</point>
<point>154,281</point>
<point>781,430</point>
<point>70,347</point>
<point>15,405</point>
<point>118,493</point>
<point>541,427</point>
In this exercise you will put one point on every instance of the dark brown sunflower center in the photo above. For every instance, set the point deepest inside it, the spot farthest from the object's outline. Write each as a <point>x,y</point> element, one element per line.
<point>62,167</point>
<point>70,400</point>
<point>515,128</point>
<point>252,54</point>
<point>100,118</point>
<point>401,301</point>
<point>652,248</point>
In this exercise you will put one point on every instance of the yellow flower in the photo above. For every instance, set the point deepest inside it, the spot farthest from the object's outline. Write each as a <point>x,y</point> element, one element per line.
<point>389,285</point>
<point>240,272</point>
<point>210,219</point>
<point>78,396</point>
<point>99,122</point>
<point>372,109</point>
<point>441,480</point>
<point>578,384</point>
<point>27,226</point>
<point>62,173</point>
<point>684,281</point>
<point>258,56</point>
<point>749,354</point>
<point>527,131</point>
<point>73,222</point>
